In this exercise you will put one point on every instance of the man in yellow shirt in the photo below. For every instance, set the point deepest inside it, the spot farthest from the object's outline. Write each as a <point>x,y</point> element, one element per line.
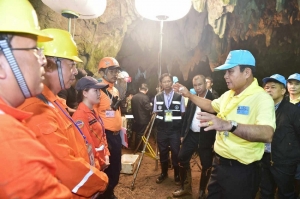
<point>245,120</point>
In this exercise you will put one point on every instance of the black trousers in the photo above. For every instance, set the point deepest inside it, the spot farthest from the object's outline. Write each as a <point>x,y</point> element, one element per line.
<point>189,145</point>
<point>115,148</point>
<point>231,179</point>
<point>166,138</point>
<point>281,176</point>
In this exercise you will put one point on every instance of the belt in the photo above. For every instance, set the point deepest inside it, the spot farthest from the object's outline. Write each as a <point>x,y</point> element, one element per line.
<point>224,161</point>
<point>113,132</point>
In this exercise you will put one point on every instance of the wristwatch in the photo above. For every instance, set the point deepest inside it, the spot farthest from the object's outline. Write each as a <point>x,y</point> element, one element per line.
<point>234,125</point>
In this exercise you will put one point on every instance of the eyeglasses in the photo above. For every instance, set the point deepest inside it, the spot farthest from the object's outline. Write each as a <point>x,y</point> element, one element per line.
<point>38,50</point>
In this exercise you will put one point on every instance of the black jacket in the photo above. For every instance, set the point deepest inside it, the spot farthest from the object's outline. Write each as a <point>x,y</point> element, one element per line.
<point>207,138</point>
<point>285,147</point>
<point>141,108</point>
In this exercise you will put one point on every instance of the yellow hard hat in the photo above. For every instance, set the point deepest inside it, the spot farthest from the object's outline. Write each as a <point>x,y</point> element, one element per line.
<point>18,16</point>
<point>62,46</point>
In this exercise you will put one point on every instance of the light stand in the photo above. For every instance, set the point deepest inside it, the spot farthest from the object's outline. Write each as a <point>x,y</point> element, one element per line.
<point>158,10</point>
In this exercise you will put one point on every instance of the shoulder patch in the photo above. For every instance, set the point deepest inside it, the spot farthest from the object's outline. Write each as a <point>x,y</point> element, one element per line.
<point>79,123</point>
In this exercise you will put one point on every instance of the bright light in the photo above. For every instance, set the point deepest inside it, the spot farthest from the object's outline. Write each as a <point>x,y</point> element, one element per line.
<point>86,9</point>
<point>166,10</point>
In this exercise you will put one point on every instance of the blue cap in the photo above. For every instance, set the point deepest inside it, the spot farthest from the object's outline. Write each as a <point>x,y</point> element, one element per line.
<point>237,57</point>
<point>295,76</point>
<point>175,79</point>
<point>276,77</point>
<point>193,91</point>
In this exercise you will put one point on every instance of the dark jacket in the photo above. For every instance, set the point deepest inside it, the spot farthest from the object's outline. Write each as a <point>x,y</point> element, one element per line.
<point>285,147</point>
<point>175,107</point>
<point>141,108</point>
<point>207,138</point>
<point>214,94</point>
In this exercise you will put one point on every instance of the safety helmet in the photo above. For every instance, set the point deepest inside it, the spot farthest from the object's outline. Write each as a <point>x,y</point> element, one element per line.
<point>107,62</point>
<point>124,75</point>
<point>18,16</point>
<point>62,46</point>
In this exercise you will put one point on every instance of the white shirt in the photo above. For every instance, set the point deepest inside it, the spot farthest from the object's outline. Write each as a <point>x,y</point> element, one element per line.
<point>195,123</point>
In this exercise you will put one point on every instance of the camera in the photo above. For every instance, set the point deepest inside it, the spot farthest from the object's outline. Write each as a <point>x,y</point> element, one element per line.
<point>115,103</point>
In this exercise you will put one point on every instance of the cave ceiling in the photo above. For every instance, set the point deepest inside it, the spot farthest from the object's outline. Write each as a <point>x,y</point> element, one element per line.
<point>195,44</point>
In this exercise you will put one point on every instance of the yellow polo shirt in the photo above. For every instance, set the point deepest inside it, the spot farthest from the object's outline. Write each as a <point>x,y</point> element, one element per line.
<point>257,108</point>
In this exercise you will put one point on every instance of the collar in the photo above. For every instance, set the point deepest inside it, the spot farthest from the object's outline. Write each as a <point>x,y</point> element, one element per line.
<point>16,113</point>
<point>84,108</point>
<point>51,97</point>
<point>110,85</point>
<point>295,101</point>
<point>170,93</point>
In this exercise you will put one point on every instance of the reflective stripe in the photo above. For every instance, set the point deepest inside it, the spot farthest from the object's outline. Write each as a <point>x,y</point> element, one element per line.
<point>159,117</point>
<point>176,102</point>
<point>159,110</point>
<point>174,110</point>
<point>85,178</point>
<point>176,117</point>
<point>159,102</point>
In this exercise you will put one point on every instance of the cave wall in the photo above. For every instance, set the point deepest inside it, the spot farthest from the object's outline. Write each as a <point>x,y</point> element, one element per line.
<point>194,44</point>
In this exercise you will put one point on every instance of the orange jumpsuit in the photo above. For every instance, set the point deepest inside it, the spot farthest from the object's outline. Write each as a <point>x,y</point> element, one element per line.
<point>93,128</point>
<point>27,168</point>
<point>60,136</point>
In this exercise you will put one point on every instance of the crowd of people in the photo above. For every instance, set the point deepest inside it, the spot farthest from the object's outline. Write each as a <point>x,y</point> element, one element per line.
<point>61,127</point>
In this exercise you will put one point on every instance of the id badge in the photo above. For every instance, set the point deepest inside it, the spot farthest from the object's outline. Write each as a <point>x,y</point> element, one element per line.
<point>91,154</point>
<point>168,116</point>
<point>109,113</point>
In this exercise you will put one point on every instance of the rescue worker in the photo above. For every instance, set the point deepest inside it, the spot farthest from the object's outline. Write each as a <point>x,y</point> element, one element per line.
<point>109,111</point>
<point>169,107</point>
<point>27,169</point>
<point>88,120</point>
<point>55,129</point>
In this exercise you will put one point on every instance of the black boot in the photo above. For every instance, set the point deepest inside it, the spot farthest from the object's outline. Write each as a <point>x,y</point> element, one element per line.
<point>185,188</point>
<point>205,175</point>
<point>164,173</point>
<point>176,175</point>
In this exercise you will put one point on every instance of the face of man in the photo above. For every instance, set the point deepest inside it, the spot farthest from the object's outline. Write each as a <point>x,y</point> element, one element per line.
<point>237,80</point>
<point>200,86</point>
<point>69,71</point>
<point>294,87</point>
<point>276,90</point>
<point>112,74</point>
<point>208,84</point>
<point>166,83</point>
<point>30,62</point>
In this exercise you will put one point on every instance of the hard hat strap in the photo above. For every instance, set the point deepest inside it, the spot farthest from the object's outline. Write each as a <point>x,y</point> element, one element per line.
<point>5,48</point>
<point>60,73</point>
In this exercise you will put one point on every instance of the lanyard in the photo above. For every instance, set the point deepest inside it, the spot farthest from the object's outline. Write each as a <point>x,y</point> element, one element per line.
<point>98,118</point>
<point>68,116</point>
<point>169,99</point>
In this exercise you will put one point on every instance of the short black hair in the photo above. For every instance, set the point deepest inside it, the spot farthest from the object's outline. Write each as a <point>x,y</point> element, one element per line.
<point>252,68</point>
<point>211,79</point>
<point>143,87</point>
<point>165,75</point>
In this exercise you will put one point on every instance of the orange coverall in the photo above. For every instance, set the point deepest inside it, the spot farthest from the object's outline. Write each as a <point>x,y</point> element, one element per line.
<point>93,128</point>
<point>27,168</point>
<point>61,137</point>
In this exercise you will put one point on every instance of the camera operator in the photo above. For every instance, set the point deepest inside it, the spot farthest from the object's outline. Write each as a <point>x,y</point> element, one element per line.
<point>110,113</point>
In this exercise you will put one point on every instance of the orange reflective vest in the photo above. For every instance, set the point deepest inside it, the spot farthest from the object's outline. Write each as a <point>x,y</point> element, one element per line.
<point>93,128</point>
<point>60,136</point>
<point>27,169</point>
<point>110,123</point>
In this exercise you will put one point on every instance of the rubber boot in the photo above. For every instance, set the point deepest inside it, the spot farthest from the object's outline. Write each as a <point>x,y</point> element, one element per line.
<point>176,175</point>
<point>164,173</point>
<point>185,188</point>
<point>205,175</point>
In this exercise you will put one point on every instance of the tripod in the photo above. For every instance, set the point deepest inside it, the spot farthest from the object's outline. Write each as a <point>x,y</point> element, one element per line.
<point>145,139</point>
